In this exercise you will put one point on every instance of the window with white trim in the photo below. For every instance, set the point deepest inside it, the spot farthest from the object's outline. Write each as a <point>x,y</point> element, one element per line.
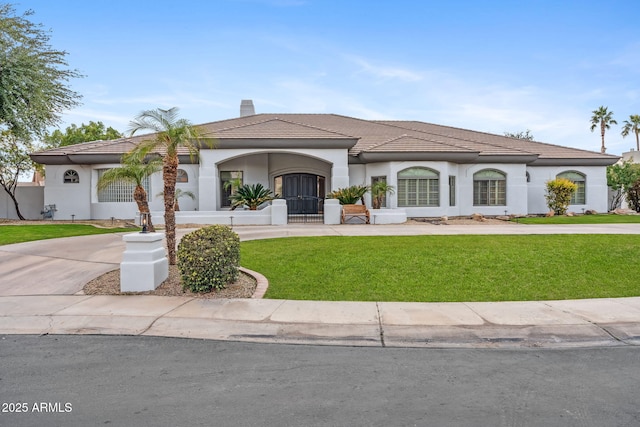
<point>71,177</point>
<point>489,188</point>
<point>579,197</point>
<point>452,190</point>
<point>383,197</point>
<point>418,187</point>
<point>229,183</point>
<point>120,191</point>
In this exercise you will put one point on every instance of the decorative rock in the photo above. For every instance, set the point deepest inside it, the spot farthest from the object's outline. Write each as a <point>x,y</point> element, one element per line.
<point>504,217</point>
<point>550,213</point>
<point>478,217</point>
<point>590,212</point>
<point>570,214</point>
<point>621,211</point>
<point>444,219</point>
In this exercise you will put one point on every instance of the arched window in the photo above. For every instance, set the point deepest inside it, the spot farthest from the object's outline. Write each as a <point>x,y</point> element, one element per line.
<point>489,188</point>
<point>182,176</point>
<point>71,177</point>
<point>580,196</point>
<point>418,187</point>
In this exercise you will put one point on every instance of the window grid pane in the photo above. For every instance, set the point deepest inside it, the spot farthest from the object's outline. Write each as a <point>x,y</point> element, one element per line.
<point>490,193</point>
<point>418,192</point>
<point>120,191</point>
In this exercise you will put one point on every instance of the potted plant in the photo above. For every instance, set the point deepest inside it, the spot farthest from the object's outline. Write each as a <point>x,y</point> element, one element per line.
<point>251,195</point>
<point>349,195</point>
<point>379,191</point>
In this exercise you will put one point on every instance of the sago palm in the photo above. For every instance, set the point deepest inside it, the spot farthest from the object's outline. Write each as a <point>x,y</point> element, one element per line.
<point>170,133</point>
<point>134,169</point>
<point>632,125</point>
<point>604,119</point>
<point>251,195</point>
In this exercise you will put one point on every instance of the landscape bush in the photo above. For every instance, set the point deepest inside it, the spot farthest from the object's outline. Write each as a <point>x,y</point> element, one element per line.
<point>209,258</point>
<point>558,196</point>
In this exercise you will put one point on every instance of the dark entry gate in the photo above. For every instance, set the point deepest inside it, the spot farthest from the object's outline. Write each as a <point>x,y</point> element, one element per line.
<point>311,209</point>
<point>301,191</point>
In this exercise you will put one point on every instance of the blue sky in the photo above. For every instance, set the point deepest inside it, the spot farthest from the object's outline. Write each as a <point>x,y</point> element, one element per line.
<point>491,66</point>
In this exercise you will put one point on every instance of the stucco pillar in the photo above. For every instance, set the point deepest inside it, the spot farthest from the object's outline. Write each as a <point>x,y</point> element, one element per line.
<point>279,212</point>
<point>332,211</point>
<point>208,184</point>
<point>339,177</point>
<point>144,263</point>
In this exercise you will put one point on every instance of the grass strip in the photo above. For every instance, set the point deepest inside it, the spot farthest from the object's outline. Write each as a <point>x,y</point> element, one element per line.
<point>582,219</point>
<point>26,233</point>
<point>447,268</point>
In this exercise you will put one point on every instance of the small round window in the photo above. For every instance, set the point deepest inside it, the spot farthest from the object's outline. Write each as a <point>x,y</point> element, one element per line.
<point>71,177</point>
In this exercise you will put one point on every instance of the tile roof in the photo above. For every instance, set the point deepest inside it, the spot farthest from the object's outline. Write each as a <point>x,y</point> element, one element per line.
<point>367,137</point>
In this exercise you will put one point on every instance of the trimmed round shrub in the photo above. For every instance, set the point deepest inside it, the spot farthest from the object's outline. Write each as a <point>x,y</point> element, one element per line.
<point>209,258</point>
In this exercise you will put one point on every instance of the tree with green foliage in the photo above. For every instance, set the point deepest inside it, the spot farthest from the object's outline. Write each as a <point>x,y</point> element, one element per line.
<point>94,131</point>
<point>526,135</point>
<point>170,133</point>
<point>602,118</point>
<point>134,169</point>
<point>633,196</point>
<point>620,178</point>
<point>558,194</point>
<point>14,162</point>
<point>33,77</point>
<point>632,126</point>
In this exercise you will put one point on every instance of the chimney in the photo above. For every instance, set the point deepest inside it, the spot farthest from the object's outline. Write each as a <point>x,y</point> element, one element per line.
<point>246,108</point>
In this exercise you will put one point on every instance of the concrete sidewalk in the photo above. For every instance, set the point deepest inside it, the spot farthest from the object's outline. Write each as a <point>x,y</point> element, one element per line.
<point>40,281</point>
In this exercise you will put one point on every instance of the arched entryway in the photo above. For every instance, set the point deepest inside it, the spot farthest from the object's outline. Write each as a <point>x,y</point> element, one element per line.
<point>304,193</point>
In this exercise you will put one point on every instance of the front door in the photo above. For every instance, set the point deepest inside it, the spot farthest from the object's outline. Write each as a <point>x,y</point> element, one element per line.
<point>300,190</point>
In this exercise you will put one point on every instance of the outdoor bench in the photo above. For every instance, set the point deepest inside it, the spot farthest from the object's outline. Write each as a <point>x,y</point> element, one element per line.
<point>355,211</point>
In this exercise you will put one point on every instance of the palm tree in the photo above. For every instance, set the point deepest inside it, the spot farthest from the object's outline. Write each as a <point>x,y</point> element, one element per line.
<point>604,119</point>
<point>632,125</point>
<point>133,170</point>
<point>179,193</point>
<point>379,191</point>
<point>169,134</point>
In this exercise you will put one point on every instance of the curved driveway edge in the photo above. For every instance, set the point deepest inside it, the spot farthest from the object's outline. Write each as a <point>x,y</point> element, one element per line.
<point>39,280</point>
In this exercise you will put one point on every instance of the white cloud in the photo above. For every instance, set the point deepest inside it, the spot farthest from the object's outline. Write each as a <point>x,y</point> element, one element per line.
<point>383,72</point>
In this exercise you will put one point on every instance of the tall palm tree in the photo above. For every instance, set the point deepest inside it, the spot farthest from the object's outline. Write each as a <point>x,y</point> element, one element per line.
<point>134,169</point>
<point>604,119</point>
<point>632,125</point>
<point>169,134</point>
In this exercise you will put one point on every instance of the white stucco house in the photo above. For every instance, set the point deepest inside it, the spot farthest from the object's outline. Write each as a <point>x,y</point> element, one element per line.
<point>435,170</point>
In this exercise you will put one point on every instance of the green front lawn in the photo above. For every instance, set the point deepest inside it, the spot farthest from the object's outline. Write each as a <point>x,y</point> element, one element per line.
<point>447,268</point>
<point>582,219</point>
<point>25,233</point>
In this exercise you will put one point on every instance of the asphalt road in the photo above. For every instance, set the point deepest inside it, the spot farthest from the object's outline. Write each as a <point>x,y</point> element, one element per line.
<point>149,381</point>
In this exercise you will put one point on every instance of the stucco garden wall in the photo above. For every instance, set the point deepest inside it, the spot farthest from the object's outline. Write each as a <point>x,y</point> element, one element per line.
<point>30,200</point>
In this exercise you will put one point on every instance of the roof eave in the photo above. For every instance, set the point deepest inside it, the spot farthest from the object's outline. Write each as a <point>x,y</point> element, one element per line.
<point>262,143</point>
<point>371,157</point>
<point>599,161</point>
<point>92,159</point>
<point>507,158</point>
